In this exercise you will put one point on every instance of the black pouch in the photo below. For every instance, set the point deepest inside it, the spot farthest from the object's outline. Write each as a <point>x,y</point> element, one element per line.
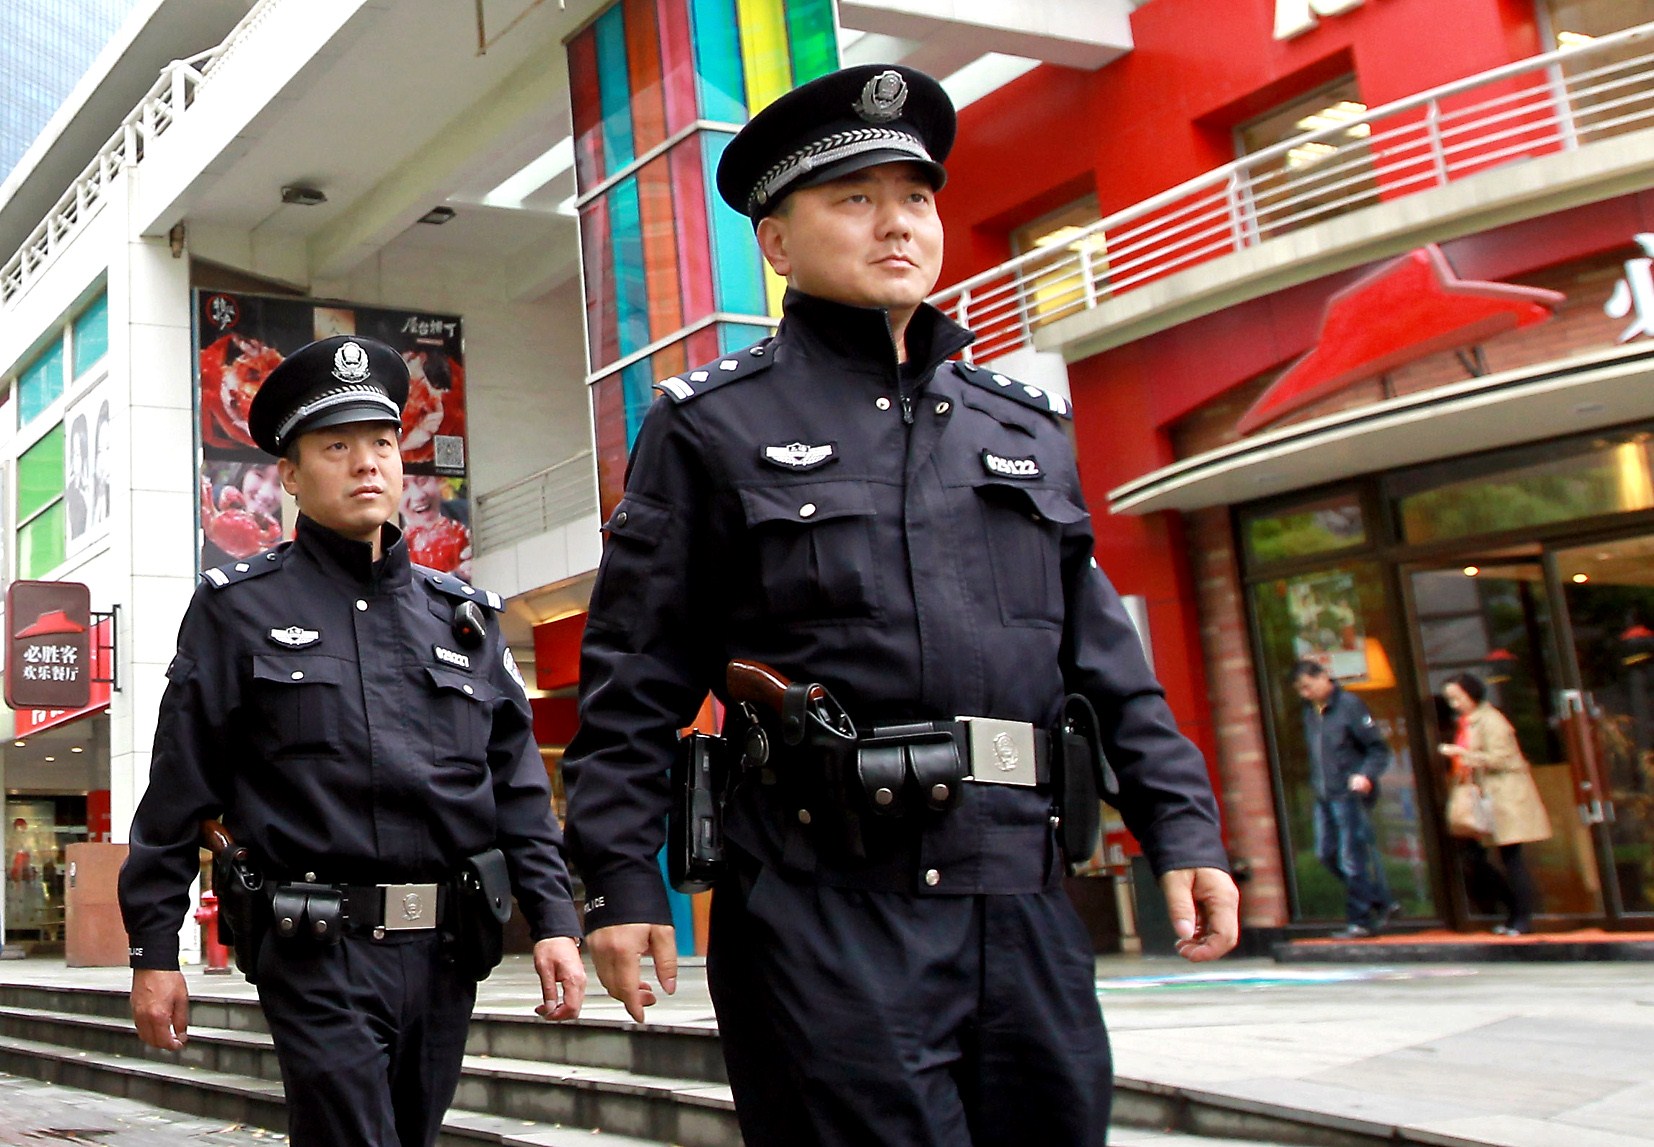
<point>307,913</point>
<point>243,909</point>
<point>479,906</point>
<point>695,821</point>
<point>1080,775</point>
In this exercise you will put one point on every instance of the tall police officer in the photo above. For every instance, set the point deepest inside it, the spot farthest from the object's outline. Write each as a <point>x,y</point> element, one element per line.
<point>361,729</point>
<point>848,507</point>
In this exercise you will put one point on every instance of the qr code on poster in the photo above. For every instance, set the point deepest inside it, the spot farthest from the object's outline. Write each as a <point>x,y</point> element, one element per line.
<point>450,454</point>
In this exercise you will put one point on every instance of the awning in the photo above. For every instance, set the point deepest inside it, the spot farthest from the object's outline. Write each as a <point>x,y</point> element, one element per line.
<point>1532,403</point>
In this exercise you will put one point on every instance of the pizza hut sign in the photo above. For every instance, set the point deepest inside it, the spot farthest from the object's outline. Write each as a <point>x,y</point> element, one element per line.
<point>48,645</point>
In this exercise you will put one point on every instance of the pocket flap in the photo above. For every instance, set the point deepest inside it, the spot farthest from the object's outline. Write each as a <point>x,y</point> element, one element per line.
<point>287,669</point>
<point>638,521</point>
<point>806,503</point>
<point>455,681</point>
<point>1041,501</point>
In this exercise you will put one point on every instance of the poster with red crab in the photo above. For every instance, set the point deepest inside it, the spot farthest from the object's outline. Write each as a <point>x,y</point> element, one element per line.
<point>240,338</point>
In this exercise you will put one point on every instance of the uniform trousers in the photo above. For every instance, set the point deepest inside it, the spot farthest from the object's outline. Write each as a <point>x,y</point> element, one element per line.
<point>853,1018</point>
<point>370,1035</point>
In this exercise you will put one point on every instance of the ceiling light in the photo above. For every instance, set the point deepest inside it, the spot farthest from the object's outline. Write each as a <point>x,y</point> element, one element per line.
<point>19,744</point>
<point>77,749</point>
<point>532,176</point>
<point>1581,578</point>
<point>50,759</point>
<point>302,196</point>
<point>1573,39</point>
<point>437,216</point>
<point>1472,571</point>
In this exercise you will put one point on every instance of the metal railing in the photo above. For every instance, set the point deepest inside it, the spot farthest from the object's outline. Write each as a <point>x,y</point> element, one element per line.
<point>1551,103</point>
<point>560,494</point>
<point>171,96</point>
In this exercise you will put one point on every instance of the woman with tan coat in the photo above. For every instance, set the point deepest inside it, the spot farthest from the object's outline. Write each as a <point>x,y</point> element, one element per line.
<point>1486,752</point>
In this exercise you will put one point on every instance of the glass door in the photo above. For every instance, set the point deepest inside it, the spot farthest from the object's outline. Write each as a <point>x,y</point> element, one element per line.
<point>1493,618</point>
<point>1608,591</point>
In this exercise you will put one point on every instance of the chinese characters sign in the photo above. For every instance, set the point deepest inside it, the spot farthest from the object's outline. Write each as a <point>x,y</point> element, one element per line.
<point>48,648</point>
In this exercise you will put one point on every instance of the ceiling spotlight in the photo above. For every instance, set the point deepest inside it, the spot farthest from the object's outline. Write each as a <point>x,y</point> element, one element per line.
<point>437,216</point>
<point>50,759</point>
<point>1581,578</point>
<point>76,749</point>
<point>302,196</point>
<point>1472,571</point>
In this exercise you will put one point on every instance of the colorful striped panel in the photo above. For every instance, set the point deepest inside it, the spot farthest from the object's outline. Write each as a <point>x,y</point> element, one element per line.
<point>587,106</point>
<point>734,336</point>
<point>735,258</point>
<point>812,36</point>
<point>723,91</point>
<point>613,442</point>
<point>764,51</point>
<point>637,386</point>
<point>690,206</point>
<point>660,249</point>
<point>631,290</point>
<point>614,90</point>
<point>644,66</point>
<point>677,53</point>
<point>597,266</point>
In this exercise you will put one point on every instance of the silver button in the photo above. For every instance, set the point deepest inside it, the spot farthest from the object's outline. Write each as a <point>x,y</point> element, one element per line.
<point>932,877</point>
<point>379,933</point>
<point>361,605</point>
<point>310,878</point>
<point>882,403</point>
<point>807,510</point>
<point>620,518</point>
<point>938,793</point>
<point>468,690</point>
<point>883,797</point>
<point>1056,822</point>
<point>803,816</point>
<point>298,675</point>
<point>943,407</point>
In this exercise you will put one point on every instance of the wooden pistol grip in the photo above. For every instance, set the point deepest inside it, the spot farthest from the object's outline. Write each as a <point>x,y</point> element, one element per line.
<point>216,838</point>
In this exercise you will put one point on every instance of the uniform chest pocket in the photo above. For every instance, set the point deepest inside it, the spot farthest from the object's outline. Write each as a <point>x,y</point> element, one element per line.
<point>1022,535</point>
<point>462,708</point>
<point>815,546</point>
<point>299,699</point>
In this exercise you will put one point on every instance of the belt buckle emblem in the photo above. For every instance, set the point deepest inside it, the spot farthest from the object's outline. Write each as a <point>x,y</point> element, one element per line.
<point>1002,752</point>
<point>409,907</point>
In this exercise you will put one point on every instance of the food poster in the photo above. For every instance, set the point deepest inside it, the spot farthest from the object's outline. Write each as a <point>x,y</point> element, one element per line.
<point>1326,623</point>
<point>241,338</point>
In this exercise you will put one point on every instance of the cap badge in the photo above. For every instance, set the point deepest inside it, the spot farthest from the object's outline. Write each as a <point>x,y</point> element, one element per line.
<point>350,363</point>
<point>882,97</point>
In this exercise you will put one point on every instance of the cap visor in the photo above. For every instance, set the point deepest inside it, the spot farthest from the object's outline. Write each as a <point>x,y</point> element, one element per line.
<point>938,174</point>
<point>342,415</point>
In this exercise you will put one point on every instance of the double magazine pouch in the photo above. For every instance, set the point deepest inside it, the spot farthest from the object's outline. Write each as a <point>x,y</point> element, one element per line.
<point>311,913</point>
<point>899,767</point>
<point>479,905</point>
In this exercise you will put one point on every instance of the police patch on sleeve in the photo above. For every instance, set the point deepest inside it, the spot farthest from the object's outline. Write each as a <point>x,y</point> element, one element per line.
<point>511,669</point>
<point>800,456</point>
<point>1002,467</point>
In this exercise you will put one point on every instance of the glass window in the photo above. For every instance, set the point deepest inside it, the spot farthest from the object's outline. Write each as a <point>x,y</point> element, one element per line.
<point>1058,288</point>
<point>1341,616</point>
<point>40,543</point>
<point>1577,21</point>
<point>1317,179</point>
<point>41,383</point>
<point>1331,523</point>
<point>91,337</point>
<point>40,474</point>
<point>1513,490</point>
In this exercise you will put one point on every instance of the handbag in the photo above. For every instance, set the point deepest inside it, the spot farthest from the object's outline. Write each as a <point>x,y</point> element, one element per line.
<point>1469,811</point>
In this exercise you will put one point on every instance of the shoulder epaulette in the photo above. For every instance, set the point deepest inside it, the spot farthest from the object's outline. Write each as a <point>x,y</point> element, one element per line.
<point>741,364</point>
<point>256,566</point>
<point>1046,401</point>
<point>457,588</point>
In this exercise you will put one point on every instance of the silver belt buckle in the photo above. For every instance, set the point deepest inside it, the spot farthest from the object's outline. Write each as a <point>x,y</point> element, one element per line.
<point>409,907</point>
<point>1002,752</point>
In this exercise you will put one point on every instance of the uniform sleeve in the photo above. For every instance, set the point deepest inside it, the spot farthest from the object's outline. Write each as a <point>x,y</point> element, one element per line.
<point>645,668</point>
<point>1165,795</point>
<point>1369,738</point>
<point>526,828</point>
<point>186,776</point>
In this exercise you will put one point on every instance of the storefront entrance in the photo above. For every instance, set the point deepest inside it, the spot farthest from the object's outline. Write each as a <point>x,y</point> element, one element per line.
<point>1563,636</point>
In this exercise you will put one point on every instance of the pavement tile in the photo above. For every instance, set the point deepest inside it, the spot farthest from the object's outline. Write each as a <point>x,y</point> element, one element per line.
<point>33,1113</point>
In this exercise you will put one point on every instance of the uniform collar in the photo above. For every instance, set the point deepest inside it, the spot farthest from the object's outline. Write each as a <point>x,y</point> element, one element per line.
<point>353,560</point>
<point>859,337</point>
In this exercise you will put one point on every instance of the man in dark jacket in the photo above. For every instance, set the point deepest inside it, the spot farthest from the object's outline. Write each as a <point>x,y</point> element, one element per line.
<point>1347,754</point>
<point>890,962</point>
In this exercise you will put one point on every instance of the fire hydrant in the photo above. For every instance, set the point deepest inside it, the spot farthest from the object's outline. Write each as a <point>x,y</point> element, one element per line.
<point>215,953</point>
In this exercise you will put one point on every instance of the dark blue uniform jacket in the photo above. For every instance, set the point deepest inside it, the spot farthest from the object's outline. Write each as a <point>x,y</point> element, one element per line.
<point>780,506</point>
<point>320,705</point>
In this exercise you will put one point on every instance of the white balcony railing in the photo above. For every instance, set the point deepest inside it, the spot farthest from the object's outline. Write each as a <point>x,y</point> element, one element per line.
<point>1552,103</point>
<point>171,96</point>
<point>560,494</point>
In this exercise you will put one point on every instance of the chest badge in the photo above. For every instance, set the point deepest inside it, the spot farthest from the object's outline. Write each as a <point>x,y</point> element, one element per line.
<point>1002,467</point>
<point>295,637</point>
<point>800,456</point>
<point>451,657</point>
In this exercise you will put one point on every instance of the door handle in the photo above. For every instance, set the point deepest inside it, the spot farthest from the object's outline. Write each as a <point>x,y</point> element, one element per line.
<point>1579,726</point>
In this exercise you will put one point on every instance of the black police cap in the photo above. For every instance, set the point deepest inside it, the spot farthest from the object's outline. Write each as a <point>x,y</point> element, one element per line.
<point>841,123</point>
<point>330,382</point>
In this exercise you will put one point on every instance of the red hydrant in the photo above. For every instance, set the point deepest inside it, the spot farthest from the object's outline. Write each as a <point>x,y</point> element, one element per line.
<point>216,954</point>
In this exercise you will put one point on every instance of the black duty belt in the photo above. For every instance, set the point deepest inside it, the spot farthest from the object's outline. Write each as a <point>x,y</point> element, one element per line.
<point>321,911</point>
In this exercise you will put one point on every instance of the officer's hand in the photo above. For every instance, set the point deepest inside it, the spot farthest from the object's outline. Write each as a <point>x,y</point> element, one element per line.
<point>562,977</point>
<point>160,1008</point>
<point>1204,905</point>
<point>618,952</point>
<point>1361,783</point>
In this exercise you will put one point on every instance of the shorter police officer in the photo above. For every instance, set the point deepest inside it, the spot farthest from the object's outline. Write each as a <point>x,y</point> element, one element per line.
<point>358,725</point>
<point>892,956</point>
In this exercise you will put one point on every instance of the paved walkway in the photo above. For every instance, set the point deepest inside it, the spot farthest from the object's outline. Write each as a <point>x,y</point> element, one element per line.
<point>35,1114</point>
<point>1513,1055</point>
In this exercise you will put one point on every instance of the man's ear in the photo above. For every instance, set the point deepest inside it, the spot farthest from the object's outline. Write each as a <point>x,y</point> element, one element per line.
<point>289,471</point>
<point>772,241</point>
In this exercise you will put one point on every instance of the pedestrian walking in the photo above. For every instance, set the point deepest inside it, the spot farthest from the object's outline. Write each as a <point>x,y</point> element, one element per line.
<point>902,537</point>
<point>359,727</point>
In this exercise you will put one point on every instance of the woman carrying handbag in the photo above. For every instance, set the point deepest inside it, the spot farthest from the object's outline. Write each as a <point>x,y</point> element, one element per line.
<point>1485,753</point>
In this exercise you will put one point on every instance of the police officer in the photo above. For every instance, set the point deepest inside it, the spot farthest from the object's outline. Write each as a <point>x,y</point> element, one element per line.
<point>847,506</point>
<point>359,726</point>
